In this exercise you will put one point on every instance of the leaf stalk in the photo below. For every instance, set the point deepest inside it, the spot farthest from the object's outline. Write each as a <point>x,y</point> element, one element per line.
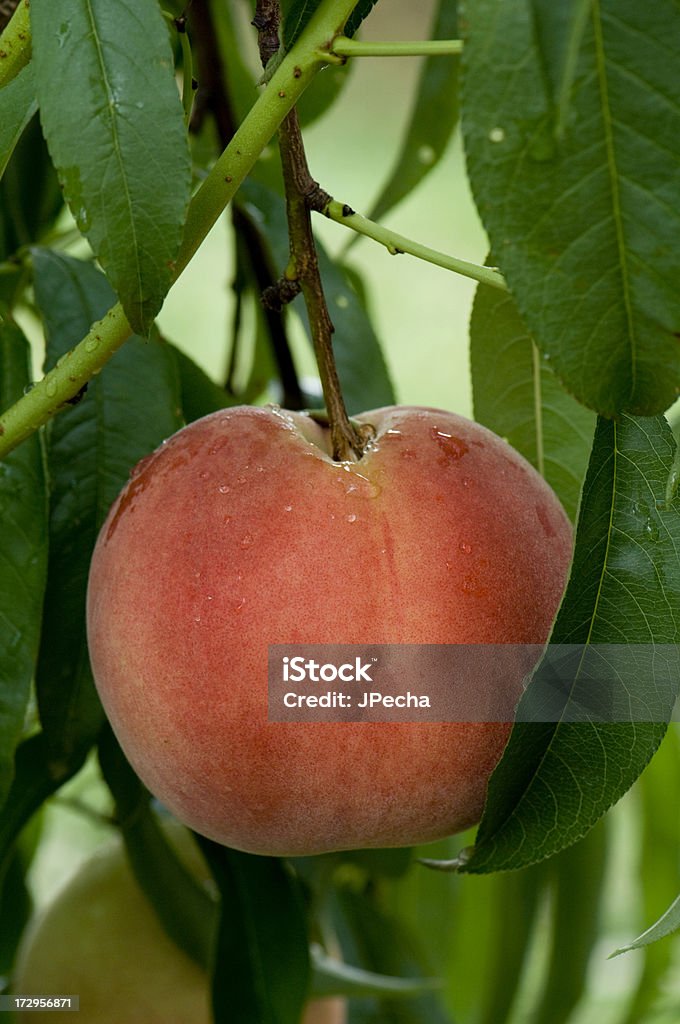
<point>344,47</point>
<point>397,244</point>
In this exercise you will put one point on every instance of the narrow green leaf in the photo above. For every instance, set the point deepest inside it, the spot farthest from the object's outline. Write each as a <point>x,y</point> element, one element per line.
<point>297,13</point>
<point>128,409</point>
<point>261,964</point>
<point>17,107</point>
<point>516,394</point>
<point>115,128</point>
<point>557,777</point>
<point>360,12</point>
<point>23,556</point>
<point>580,197</point>
<point>30,196</point>
<point>668,922</point>
<point>433,117</point>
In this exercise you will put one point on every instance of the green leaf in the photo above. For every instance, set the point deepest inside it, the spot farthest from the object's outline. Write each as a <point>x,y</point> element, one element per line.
<point>17,107</point>
<point>364,376</point>
<point>667,923</point>
<point>116,132</point>
<point>296,14</point>
<point>30,196</point>
<point>516,394</point>
<point>261,964</point>
<point>360,12</point>
<point>557,777</point>
<point>433,118</point>
<point>23,556</point>
<point>579,192</point>
<point>128,409</point>
<point>186,910</point>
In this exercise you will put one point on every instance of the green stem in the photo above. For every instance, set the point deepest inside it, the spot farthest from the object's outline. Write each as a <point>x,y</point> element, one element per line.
<point>15,44</point>
<point>344,47</point>
<point>396,244</point>
<point>288,83</point>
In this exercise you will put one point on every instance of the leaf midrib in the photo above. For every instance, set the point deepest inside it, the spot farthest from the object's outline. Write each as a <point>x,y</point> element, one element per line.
<point>612,168</point>
<point>117,148</point>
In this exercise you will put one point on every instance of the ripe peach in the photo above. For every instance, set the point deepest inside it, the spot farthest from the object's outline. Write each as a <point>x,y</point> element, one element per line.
<point>241,532</point>
<point>100,939</point>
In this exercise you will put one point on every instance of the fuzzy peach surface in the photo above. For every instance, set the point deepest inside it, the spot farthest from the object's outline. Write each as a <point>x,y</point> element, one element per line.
<point>241,532</point>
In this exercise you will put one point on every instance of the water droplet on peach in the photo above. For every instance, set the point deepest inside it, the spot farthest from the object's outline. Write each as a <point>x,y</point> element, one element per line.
<point>453,447</point>
<point>246,540</point>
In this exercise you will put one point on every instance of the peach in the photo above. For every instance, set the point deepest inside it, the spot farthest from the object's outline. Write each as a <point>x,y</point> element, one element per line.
<point>100,939</point>
<point>240,532</point>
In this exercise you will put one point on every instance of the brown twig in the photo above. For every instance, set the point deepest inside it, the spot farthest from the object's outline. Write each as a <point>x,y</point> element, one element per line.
<point>303,193</point>
<point>266,21</point>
